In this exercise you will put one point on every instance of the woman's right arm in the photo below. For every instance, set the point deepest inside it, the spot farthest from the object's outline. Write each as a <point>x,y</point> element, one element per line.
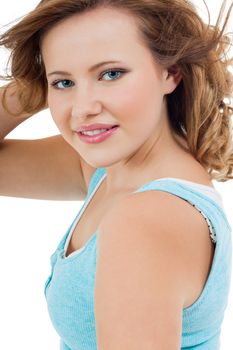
<point>47,168</point>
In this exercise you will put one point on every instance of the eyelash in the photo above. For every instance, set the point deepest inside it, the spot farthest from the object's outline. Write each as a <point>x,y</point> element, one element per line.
<point>56,82</point>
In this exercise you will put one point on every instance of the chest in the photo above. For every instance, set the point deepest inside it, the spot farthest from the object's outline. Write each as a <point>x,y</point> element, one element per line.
<point>86,225</point>
<point>93,212</point>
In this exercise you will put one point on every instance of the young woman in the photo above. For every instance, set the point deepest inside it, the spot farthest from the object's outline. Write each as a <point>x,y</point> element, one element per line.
<point>138,91</point>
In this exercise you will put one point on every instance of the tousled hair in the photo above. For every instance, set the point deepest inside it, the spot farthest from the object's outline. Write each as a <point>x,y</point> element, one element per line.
<point>199,108</point>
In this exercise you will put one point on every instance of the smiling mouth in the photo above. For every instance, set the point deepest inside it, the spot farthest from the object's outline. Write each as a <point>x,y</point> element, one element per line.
<point>96,131</point>
<point>97,135</point>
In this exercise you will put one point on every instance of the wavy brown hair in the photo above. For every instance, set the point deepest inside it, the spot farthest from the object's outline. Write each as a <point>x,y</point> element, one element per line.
<point>200,107</point>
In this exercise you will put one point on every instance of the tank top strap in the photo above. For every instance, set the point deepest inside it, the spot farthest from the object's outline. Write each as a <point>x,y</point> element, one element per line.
<point>204,203</point>
<point>98,174</point>
<point>188,193</point>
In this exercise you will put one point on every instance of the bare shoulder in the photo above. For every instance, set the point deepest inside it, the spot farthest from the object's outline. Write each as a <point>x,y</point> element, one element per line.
<point>145,246</point>
<point>160,209</point>
<point>174,225</point>
<point>148,261</point>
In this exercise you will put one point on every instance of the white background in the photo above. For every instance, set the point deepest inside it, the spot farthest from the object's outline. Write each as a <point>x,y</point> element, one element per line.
<point>31,229</point>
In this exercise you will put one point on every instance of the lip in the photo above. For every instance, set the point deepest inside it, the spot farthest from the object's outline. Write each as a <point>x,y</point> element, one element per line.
<point>94,127</point>
<point>98,137</point>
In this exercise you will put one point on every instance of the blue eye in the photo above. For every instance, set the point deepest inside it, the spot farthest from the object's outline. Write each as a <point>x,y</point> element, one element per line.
<point>62,84</point>
<point>114,76</point>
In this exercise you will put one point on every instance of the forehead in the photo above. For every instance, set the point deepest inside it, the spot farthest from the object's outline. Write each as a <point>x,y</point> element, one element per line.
<point>103,30</point>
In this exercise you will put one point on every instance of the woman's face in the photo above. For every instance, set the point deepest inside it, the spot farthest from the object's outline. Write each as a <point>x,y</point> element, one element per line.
<point>128,93</point>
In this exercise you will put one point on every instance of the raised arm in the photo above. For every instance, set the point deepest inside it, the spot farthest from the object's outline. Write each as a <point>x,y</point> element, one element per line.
<point>47,168</point>
<point>8,122</point>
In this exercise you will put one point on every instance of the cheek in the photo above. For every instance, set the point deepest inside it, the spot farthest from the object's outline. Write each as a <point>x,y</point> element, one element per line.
<point>138,98</point>
<point>58,110</point>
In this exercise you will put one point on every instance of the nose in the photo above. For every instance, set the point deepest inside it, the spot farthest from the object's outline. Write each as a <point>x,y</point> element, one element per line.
<point>85,103</point>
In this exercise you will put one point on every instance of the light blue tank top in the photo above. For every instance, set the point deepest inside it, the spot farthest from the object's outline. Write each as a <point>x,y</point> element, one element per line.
<point>69,290</point>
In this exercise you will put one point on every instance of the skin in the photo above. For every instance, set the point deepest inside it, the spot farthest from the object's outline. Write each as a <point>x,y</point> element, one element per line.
<point>135,100</point>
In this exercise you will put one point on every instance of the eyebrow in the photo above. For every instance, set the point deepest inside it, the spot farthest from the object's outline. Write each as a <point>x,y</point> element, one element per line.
<point>90,70</point>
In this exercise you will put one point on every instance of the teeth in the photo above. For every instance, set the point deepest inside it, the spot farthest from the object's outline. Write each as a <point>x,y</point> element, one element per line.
<point>93,132</point>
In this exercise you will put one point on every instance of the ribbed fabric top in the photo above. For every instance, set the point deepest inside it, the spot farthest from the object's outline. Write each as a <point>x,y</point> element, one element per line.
<point>69,290</point>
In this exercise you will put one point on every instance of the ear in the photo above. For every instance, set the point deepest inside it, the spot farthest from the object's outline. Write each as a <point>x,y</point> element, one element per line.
<point>173,77</point>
